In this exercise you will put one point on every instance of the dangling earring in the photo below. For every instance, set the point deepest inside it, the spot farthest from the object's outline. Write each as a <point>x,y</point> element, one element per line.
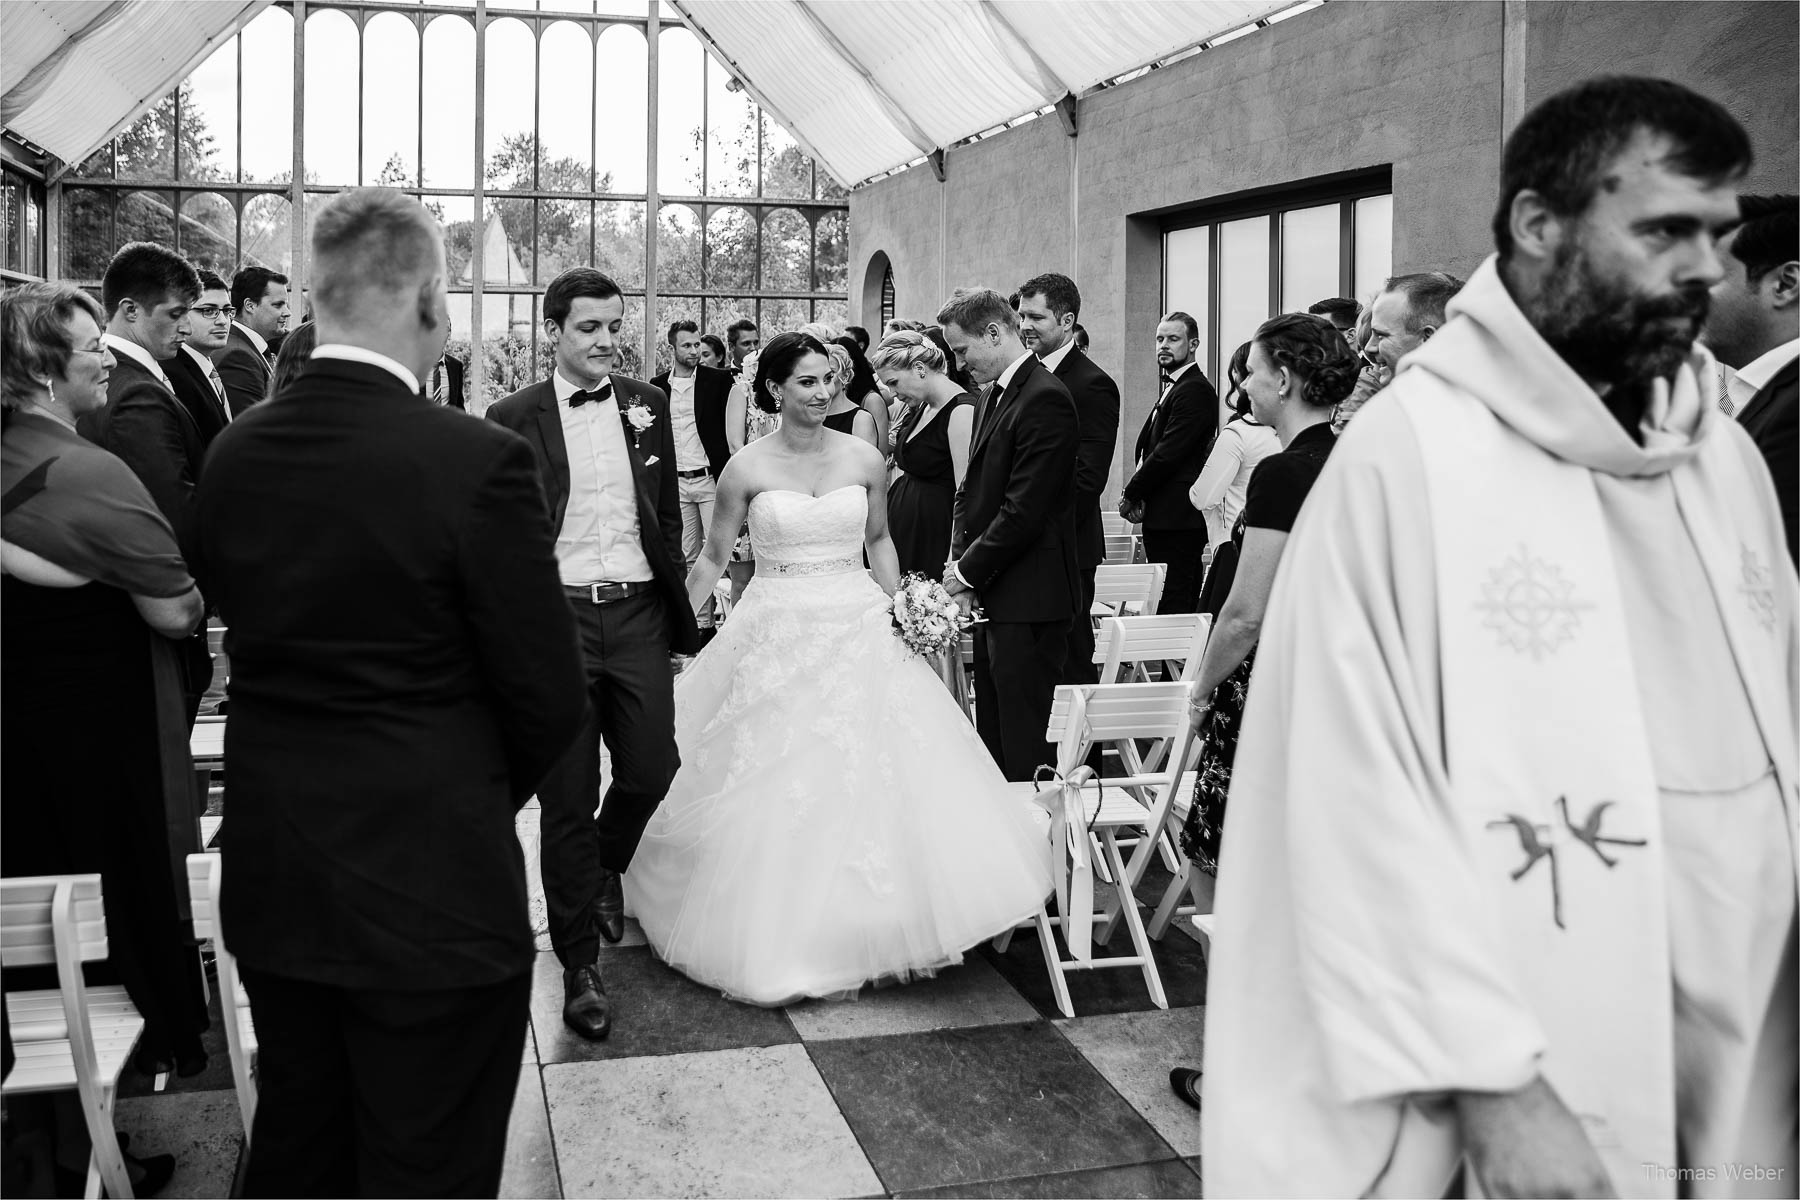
<point>50,386</point>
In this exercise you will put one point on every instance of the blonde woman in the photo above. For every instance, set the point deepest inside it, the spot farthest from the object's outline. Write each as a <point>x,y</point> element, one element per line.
<point>845,415</point>
<point>931,448</point>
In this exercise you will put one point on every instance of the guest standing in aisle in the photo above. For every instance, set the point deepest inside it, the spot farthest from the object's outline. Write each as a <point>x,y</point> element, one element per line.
<point>1171,448</point>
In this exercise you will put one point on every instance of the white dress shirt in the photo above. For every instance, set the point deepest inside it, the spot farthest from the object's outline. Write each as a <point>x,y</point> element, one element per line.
<point>1741,387</point>
<point>690,452</point>
<point>369,358</point>
<point>599,541</point>
<point>140,356</point>
<point>1054,359</point>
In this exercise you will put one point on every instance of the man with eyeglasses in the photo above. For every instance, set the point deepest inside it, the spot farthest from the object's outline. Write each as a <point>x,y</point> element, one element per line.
<point>198,384</point>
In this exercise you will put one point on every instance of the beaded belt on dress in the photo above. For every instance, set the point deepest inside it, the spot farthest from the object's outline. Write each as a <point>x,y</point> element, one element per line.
<point>825,566</point>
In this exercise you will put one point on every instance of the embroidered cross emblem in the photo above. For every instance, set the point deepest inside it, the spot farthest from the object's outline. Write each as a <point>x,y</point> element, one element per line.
<point>1542,842</point>
<point>1530,607</point>
<point>1758,588</point>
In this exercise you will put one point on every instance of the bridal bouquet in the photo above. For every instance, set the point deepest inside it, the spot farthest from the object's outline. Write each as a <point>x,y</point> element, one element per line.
<point>926,617</point>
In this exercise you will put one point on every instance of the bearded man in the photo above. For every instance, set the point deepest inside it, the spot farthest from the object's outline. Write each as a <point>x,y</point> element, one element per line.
<point>1508,877</point>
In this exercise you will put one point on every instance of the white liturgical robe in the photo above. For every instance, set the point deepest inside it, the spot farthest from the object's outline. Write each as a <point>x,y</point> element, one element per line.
<point>1515,792</point>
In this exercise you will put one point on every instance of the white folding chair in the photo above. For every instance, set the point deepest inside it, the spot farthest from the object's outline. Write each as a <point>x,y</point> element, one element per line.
<point>1111,523</point>
<point>1122,548</point>
<point>1125,647</point>
<point>1090,814</point>
<point>1128,589</point>
<point>205,871</point>
<point>72,1037</point>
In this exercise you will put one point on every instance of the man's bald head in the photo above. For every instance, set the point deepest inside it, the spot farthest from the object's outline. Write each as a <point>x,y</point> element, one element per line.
<point>378,275</point>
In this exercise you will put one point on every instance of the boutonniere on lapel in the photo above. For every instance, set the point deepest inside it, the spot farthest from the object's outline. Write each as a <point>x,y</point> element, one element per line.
<point>640,418</point>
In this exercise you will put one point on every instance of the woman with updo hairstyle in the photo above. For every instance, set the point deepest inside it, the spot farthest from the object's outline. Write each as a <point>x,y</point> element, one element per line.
<point>96,776</point>
<point>931,448</point>
<point>845,415</point>
<point>1219,490</point>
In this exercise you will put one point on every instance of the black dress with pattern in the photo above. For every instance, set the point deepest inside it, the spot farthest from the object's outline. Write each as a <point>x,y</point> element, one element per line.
<point>1277,491</point>
<point>921,502</point>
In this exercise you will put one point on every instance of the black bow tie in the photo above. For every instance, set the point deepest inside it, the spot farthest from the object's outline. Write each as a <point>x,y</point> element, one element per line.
<point>603,392</point>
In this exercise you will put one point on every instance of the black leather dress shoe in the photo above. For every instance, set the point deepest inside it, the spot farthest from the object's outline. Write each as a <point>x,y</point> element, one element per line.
<point>586,1008</point>
<point>1186,1082</point>
<point>609,909</point>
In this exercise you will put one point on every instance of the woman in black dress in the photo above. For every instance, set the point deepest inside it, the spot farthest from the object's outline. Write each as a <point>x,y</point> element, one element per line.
<point>845,415</point>
<point>931,449</point>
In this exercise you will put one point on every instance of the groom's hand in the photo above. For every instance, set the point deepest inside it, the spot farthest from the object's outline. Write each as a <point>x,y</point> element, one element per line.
<point>952,581</point>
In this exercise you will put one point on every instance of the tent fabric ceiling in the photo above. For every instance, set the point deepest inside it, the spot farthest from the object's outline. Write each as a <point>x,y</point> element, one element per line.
<point>77,71</point>
<point>869,86</point>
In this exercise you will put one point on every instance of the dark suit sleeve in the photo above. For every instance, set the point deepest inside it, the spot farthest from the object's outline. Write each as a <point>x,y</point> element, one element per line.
<point>1098,410</point>
<point>243,377</point>
<point>523,629</point>
<point>1779,440</point>
<point>668,494</point>
<point>1045,442</point>
<point>144,429</point>
<point>1193,419</point>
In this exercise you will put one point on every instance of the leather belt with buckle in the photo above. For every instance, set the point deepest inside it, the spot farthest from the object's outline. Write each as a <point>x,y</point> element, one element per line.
<point>609,593</point>
<point>700,473</point>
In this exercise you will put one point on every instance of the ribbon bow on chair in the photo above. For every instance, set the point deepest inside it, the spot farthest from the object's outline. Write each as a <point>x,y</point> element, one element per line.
<point>1069,833</point>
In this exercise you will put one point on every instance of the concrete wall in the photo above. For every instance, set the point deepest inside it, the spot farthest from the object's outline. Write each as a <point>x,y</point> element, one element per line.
<point>1428,88</point>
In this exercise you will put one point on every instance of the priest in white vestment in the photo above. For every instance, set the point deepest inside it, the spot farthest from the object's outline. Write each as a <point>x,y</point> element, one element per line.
<point>1507,877</point>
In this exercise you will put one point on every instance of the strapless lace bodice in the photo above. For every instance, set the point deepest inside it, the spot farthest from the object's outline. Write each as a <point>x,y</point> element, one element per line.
<point>796,528</point>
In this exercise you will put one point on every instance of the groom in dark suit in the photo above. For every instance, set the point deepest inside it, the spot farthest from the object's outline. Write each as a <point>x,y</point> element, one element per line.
<point>606,456</point>
<point>1012,543</point>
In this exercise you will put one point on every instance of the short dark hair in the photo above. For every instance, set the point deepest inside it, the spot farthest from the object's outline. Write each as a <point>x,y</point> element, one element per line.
<point>739,326</point>
<point>210,281</point>
<point>1081,336</point>
<point>1058,291</point>
<point>1769,235</point>
<point>149,274</point>
<point>717,344</point>
<point>1336,308</point>
<point>1564,146</point>
<point>860,334</point>
<point>1427,293</point>
<point>292,359</point>
<point>573,283</point>
<point>1193,326</point>
<point>250,283</point>
<point>974,309</point>
<point>682,326</point>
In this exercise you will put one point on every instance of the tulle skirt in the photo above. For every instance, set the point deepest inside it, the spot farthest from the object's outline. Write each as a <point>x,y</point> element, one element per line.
<point>835,820</point>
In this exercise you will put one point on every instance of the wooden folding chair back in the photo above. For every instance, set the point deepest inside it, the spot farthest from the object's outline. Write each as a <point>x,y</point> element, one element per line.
<point>73,1038</point>
<point>205,873</point>
<point>1122,589</point>
<point>1125,647</point>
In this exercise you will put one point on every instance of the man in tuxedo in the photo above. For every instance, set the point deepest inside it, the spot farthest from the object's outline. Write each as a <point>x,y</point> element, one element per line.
<point>606,458</point>
<point>403,675</point>
<point>1171,449</point>
<point>742,337</point>
<point>148,292</point>
<point>1048,307</point>
<point>1754,328</point>
<point>697,398</point>
<point>248,359</point>
<point>1012,542</point>
<point>191,371</point>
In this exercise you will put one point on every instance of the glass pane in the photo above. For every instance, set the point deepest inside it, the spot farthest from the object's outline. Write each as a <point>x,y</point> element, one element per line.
<point>1186,283</point>
<point>831,259</point>
<point>565,110</point>
<point>1374,245</point>
<point>680,81</point>
<point>619,241</point>
<point>390,101</point>
<point>783,316</point>
<point>98,165</point>
<point>457,216</point>
<point>507,242</point>
<point>33,263</point>
<point>730,134</point>
<point>786,253</point>
<point>87,232</point>
<point>449,119</point>
<point>721,314</point>
<point>459,306</point>
<point>512,64</point>
<point>835,313</point>
<point>621,107</point>
<point>575,6</point>
<point>209,233</point>
<point>331,101</point>
<point>147,148</point>
<point>1309,256</point>
<point>564,236</point>
<point>1243,281</point>
<point>786,171</point>
<point>632,340</point>
<point>209,116</point>
<point>12,222</point>
<point>146,217</point>
<point>269,233</point>
<point>730,250</point>
<point>507,343</point>
<point>267,99</point>
<point>677,248</point>
<point>829,188</point>
<point>670,309</point>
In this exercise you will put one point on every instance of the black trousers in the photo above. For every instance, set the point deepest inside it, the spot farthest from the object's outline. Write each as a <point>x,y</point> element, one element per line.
<point>1079,667</point>
<point>1017,667</point>
<point>631,704</point>
<point>1179,550</point>
<point>383,1093</point>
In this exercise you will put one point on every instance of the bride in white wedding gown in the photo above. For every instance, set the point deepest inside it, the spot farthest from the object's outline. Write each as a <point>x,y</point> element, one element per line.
<point>835,820</point>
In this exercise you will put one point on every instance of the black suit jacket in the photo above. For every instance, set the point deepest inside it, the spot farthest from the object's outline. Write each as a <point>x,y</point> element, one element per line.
<point>1097,404</point>
<point>1171,449</point>
<point>712,387</point>
<point>404,671</point>
<point>245,372</point>
<point>144,424</point>
<point>1014,533</point>
<point>532,413</point>
<point>194,390</point>
<point>1770,420</point>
